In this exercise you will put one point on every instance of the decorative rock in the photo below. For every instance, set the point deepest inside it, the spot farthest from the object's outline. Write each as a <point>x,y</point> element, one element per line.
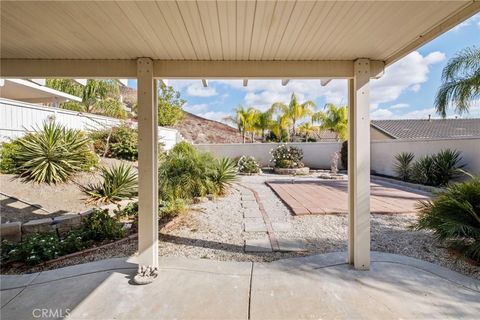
<point>38,225</point>
<point>281,226</point>
<point>145,275</point>
<point>200,199</point>
<point>11,231</point>
<point>292,171</point>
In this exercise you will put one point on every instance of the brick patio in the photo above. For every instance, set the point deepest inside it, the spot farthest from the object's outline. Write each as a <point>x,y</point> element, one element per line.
<point>330,197</point>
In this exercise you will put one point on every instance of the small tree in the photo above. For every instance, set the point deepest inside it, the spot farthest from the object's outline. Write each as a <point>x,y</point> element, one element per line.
<point>170,106</point>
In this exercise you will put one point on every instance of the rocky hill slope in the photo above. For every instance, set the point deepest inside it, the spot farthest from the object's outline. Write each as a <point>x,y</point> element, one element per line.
<point>197,130</point>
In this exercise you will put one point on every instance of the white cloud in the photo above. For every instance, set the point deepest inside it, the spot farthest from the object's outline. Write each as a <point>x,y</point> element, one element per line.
<point>399,106</point>
<point>195,108</point>
<point>473,20</point>
<point>407,74</point>
<point>381,114</point>
<point>214,115</point>
<point>198,90</point>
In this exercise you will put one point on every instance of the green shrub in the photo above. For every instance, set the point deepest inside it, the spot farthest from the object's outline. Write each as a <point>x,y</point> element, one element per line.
<point>119,182</point>
<point>437,169</point>
<point>171,208</point>
<point>344,154</point>
<point>403,165</point>
<point>248,164</point>
<point>422,170</point>
<point>185,173</point>
<point>52,154</point>
<point>99,226</point>
<point>285,156</point>
<point>6,252</point>
<point>446,166</point>
<point>8,151</point>
<point>454,216</point>
<point>74,241</point>
<point>37,248</point>
<point>117,142</point>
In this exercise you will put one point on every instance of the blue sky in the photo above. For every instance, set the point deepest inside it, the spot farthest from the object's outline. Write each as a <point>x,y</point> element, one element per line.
<point>406,90</point>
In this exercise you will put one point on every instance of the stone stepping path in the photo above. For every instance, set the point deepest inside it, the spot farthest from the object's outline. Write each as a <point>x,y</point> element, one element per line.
<point>258,223</point>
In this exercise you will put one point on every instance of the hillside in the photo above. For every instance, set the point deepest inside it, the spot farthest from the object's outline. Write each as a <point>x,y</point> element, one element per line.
<point>200,130</point>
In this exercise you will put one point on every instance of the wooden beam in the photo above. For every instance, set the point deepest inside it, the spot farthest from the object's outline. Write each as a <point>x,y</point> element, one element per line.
<point>82,69</point>
<point>285,82</point>
<point>359,167</point>
<point>173,69</point>
<point>147,164</point>
<point>245,82</point>
<point>205,83</point>
<point>451,21</point>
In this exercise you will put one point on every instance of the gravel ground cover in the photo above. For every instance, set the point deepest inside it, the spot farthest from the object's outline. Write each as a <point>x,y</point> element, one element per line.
<point>55,200</point>
<point>214,230</point>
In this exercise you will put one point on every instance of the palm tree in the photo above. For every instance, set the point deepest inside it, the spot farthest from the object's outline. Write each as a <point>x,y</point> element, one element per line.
<point>460,82</point>
<point>280,126</point>
<point>307,129</point>
<point>334,119</point>
<point>264,122</point>
<point>295,110</point>
<point>245,120</point>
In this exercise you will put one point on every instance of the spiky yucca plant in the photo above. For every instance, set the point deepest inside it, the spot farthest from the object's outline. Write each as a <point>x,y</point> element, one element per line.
<point>446,166</point>
<point>403,165</point>
<point>223,174</point>
<point>119,182</point>
<point>454,216</point>
<point>422,170</point>
<point>52,154</point>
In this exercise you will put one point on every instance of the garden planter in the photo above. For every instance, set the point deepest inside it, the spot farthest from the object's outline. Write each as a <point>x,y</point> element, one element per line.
<point>292,171</point>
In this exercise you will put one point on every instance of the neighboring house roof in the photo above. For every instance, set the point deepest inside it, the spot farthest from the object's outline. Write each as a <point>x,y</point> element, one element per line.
<point>429,129</point>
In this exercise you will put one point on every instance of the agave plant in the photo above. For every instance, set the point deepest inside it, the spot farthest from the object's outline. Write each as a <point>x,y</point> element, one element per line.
<point>446,166</point>
<point>403,165</point>
<point>52,154</point>
<point>454,216</point>
<point>223,174</point>
<point>119,182</point>
<point>422,170</point>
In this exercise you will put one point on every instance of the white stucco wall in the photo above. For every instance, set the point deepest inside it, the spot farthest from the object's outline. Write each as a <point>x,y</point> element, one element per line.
<point>18,118</point>
<point>383,152</point>
<point>317,154</point>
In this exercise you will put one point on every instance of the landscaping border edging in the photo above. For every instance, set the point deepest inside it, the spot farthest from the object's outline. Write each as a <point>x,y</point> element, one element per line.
<point>16,231</point>
<point>292,171</point>
<point>410,185</point>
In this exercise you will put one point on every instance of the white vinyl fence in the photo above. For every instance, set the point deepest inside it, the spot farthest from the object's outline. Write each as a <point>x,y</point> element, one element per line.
<point>318,154</point>
<point>17,118</point>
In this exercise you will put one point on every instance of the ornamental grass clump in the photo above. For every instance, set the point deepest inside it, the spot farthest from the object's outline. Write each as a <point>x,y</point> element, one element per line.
<point>454,217</point>
<point>52,154</point>
<point>119,182</point>
<point>285,156</point>
<point>248,165</point>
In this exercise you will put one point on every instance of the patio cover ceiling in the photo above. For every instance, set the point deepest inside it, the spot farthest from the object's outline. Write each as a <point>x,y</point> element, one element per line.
<point>309,33</point>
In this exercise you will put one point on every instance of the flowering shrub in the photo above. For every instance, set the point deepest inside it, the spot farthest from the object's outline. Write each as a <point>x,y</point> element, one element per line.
<point>285,156</point>
<point>248,164</point>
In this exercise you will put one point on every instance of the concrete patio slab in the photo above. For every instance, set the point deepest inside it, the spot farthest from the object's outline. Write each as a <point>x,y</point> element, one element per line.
<point>289,245</point>
<point>321,286</point>
<point>254,226</point>
<point>258,245</point>
<point>252,213</point>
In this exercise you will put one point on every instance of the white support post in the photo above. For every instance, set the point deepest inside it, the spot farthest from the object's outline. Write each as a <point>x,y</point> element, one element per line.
<point>147,164</point>
<point>359,167</point>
